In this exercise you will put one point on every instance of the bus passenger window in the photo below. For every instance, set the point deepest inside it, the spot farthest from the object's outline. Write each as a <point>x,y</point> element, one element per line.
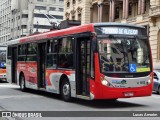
<point>52,54</point>
<point>52,61</point>
<point>65,61</point>
<point>32,52</point>
<point>22,52</point>
<point>65,53</point>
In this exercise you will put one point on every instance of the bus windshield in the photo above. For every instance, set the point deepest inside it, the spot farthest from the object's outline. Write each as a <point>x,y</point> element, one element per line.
<point>124,55</point>
<point>2,57</point>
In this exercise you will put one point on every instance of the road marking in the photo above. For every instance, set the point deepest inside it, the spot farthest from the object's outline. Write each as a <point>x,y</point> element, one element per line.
<point>18,96</point>
<point>8,86</point>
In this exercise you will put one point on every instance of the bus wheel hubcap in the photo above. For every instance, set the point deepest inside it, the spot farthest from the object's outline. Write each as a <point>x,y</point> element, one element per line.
<point>66,89</point>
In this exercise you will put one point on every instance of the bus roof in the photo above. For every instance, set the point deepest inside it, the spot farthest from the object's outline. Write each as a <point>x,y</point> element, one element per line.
<point>67,31</point>
<point>12,42</point>
<point>116,24</point>
<point>56,33</point>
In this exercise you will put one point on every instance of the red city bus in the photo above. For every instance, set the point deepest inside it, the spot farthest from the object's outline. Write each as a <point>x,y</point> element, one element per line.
<point>93,61</point>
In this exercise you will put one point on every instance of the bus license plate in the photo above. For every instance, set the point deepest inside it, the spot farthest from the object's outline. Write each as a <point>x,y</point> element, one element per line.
<point>128,94</point>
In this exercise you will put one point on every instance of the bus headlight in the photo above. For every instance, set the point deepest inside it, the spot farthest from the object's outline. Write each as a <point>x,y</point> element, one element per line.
<point>104,82</point>
<point>149,81</point>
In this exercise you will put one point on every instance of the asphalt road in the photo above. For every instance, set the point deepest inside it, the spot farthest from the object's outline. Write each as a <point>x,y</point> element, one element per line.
<point>12,99</point>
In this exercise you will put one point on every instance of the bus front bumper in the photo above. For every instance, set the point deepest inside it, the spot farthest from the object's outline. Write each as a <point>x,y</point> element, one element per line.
<point>127,92</point>
<point>3,77</point>
<point>114,93</point>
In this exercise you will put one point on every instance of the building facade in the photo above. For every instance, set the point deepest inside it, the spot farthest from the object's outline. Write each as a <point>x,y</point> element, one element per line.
<point>155,29</point>
<point>141,12</point>
<point>77,10</point>
<point>5,14</point>
<point>30,16</point>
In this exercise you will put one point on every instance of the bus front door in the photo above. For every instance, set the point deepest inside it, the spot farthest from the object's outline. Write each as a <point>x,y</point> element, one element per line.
<point>83,66</point>
<point>41,65</point>
<point>14,65</point>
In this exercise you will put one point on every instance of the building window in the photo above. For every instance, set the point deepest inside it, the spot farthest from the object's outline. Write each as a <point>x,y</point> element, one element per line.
<point>19,17</point>
<point>68,4</point>
<point>74,1</point>
<point>42,26</point>
<point>117,13</point>
<point>61,9</point>
<point>23,35</point>
<point>79,16</point>
<point>24,26</point>
<point>130,9</point>
<point>43,16</point>
<point>52,9</point>
<point>146,5</point>
<point>73,17</point>
<point>24,15</point>
<point>40,7</point>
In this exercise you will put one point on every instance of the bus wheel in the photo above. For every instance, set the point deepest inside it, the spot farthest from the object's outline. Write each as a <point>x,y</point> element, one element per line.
<point>22,83</point>
<point>66,90</point>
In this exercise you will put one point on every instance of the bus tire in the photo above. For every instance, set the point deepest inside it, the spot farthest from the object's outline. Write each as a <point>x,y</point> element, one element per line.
<point>65,90</point>
<point>22,83</point>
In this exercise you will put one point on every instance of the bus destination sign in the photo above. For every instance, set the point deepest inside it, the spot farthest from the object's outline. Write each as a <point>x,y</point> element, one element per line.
<point>121,31</point>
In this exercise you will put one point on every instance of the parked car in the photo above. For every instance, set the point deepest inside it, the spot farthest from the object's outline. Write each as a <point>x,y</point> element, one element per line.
<point>156,85</point>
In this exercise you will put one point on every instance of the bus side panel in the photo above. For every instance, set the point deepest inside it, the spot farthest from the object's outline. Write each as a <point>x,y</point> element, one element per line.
<point>95,86</point>
<point>53,80</point>
<point>8,69</point>
<point>29,70</point>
